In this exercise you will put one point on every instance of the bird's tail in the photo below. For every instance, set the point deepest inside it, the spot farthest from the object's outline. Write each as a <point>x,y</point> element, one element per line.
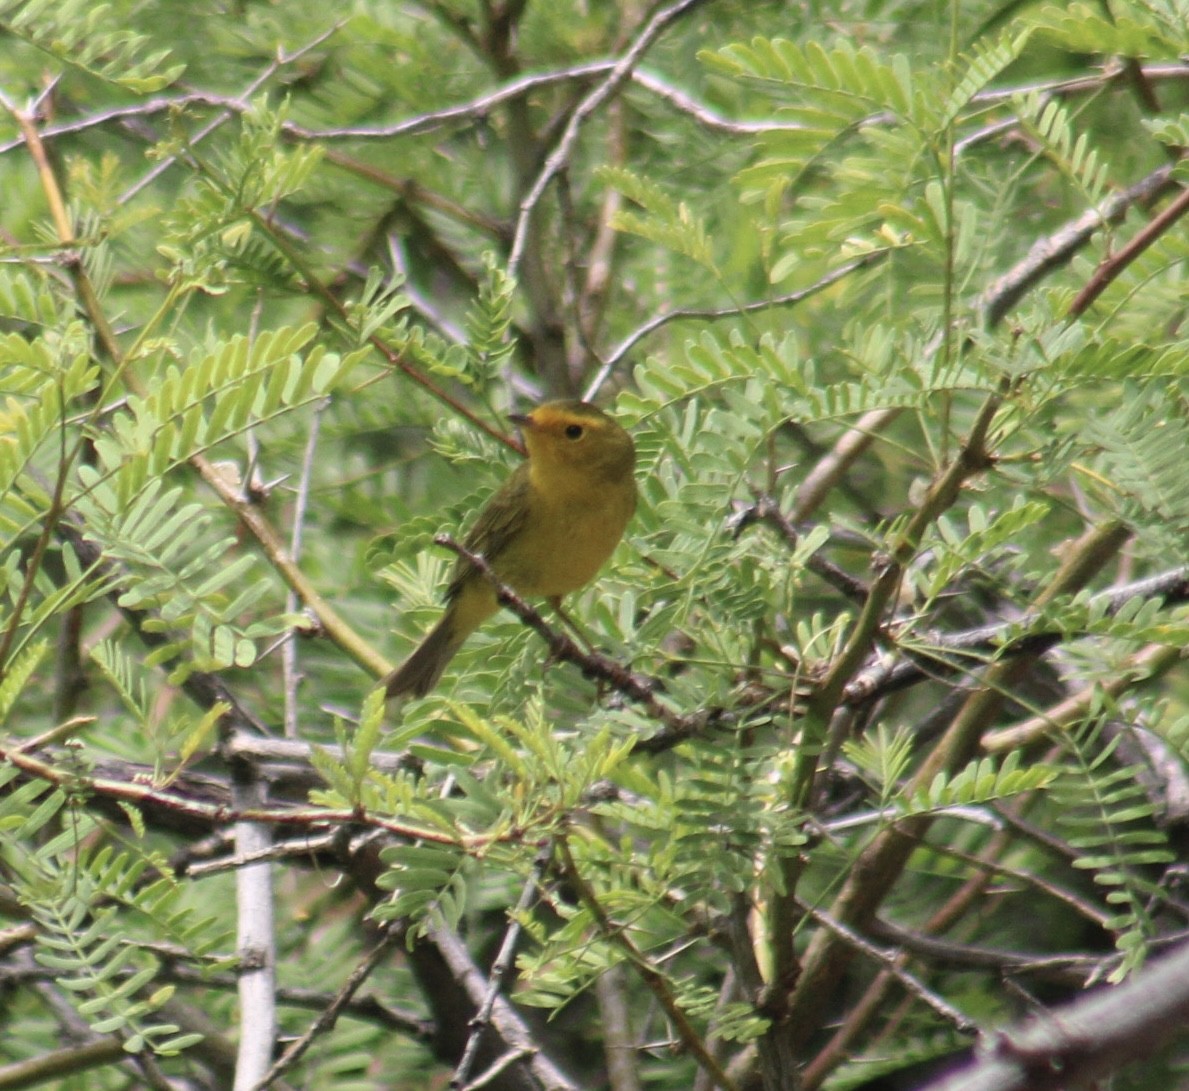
<point>420,672</point>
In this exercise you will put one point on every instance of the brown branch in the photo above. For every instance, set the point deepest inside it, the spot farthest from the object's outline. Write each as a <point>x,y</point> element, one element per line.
<point>205,815</point>
<point>1083,1041</point>
<point>70,1061</point>
<point>330,1016</point>
<point>396,358</point>
<point>657,983</point>
<point>973,458</point>
<point>604,90</point>
<point>1056,250</point>
<point>638,688</point>
<point>1070,970</point>
<point>1109,269</point>
<point>882,861</point>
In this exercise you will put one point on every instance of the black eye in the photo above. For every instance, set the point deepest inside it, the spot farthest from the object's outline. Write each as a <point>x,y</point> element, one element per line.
<point>573,431</point>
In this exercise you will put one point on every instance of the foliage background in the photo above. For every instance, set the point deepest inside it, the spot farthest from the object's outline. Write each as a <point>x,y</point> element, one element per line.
<point>883,746</point>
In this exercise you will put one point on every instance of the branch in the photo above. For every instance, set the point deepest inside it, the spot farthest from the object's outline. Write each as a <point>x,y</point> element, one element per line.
<point>1057,249</point>
<point>882,861</point>
<point>204,816</point>
<point>264,76</point>
<point>327,1020</point>
<point>616,935</point>
<point>1152,661</point>
<point>560,156</point>
<point>1109,269</point>
<point>635,687</point>
<point>256,945</point>
<point>891,964</point>
<point>1070,970</point>
<point>945,653</point>
<point>766,510</point>
<point>500,968</point>
<point>619,1041</point>
<point>63,1062</point>
<point>974,457</point>
<point>505,1022</point>
<point>709,314</point>
<point>1083,1041</point>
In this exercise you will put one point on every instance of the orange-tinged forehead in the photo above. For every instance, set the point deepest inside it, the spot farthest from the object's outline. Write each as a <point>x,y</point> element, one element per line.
<point>553,416</point>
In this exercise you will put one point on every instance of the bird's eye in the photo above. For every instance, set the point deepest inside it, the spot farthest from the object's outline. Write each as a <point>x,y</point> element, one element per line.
<point>573,431</point>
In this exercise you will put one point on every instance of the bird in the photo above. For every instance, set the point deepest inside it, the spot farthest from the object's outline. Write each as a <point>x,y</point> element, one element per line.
<point>546,532</point>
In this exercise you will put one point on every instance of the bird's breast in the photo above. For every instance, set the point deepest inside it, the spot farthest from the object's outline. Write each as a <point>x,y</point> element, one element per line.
<point>567,540</point>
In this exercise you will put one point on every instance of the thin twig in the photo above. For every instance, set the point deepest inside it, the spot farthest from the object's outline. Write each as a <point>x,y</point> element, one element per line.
<point>327,1020</point>
<point>713,313</point>
<point>500,968</point>
<point>560,156</point>
<point>657,983</point>
<point>478,108</point>
<point>289,647</point>
<point>1074,970</point>
<point>501,1064</point>
<point>766,510</point>
<point>307,846</point>
<point>891,963</point>
<point>474,110</point>
<point>1114,265</point>
<point>228,113</point>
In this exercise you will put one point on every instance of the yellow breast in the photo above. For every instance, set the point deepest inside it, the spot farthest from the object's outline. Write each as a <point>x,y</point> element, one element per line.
<point>568,538</point>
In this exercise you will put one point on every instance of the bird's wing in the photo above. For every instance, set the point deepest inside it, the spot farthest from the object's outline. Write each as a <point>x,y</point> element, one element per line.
<point>498,524</point>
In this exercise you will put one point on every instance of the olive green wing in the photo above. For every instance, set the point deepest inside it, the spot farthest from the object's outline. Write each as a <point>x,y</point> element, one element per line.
<point>498,524</point>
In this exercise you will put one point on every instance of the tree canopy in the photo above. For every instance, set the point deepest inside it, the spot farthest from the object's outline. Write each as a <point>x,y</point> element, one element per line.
<point>862,763</point>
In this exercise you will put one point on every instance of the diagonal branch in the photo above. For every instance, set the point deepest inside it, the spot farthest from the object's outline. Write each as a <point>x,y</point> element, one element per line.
<point>559,158</point>
<point>657,983</point>
<point>1085,1040</point>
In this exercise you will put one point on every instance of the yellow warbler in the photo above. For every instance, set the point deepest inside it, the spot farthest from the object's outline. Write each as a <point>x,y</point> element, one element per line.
<point>545,533</point>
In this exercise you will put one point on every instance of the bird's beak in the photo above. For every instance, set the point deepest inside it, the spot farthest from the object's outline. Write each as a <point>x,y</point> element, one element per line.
<point>524,420</point>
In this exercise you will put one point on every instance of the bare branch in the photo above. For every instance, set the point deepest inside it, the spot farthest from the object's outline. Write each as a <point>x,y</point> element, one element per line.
<point>560,156</point>
<point>1057,249</point>
<point>710,314</point>
<point>505,1021</point>
<point>500,967</point>
<point>327,1020</point>
<point>256,946</point>
<point>289,647</point>
<point>1085,1039</point>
